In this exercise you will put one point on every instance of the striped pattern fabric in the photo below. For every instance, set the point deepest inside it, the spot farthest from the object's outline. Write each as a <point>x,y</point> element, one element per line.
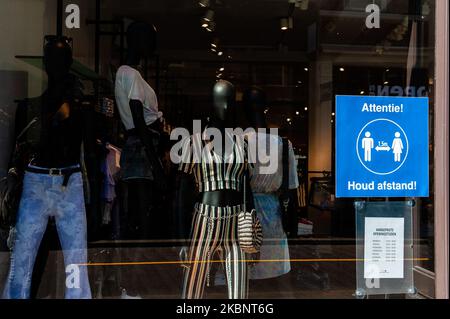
<point>249,232</point>
<point>214,230</point>
<point>214,172</point>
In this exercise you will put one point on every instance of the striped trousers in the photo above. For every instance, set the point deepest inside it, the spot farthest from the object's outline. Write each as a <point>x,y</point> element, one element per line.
<point>214,230</point>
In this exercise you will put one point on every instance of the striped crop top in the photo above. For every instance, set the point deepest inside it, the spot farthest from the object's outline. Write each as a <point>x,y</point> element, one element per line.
<point>212,171</point>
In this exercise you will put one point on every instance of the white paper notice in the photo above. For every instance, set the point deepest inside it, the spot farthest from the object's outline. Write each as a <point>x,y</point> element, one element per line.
<point>384,248</point>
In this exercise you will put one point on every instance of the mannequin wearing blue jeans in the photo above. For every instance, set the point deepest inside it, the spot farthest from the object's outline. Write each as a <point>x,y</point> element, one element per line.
<point>43,197</point>
<point>52,184</point>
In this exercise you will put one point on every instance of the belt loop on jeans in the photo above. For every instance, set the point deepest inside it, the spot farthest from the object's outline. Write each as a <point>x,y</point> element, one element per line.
<point>66,179</point>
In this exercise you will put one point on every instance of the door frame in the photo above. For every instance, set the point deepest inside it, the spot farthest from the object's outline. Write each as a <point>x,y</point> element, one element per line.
<point>441,157</point>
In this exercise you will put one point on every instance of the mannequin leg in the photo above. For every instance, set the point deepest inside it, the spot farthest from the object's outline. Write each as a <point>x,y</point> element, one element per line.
<point>71,225</point>
<point>49,242</point>
<point>139,207</point>
<point>236,272</point>
<point>31,223</point>
<point>144,191</point>
<point>235,264</point>
<point>205,240</point>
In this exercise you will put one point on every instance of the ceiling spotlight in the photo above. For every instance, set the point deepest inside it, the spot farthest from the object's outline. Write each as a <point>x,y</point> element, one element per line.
<point>333,114</point>
<point>306,69</point>
<point>220,53</point>
<point>215,43</point>
<point>213,50</point>
<point>297,113</point>
<point>211,27</point>
<point>289,119</point>
<point>203,3</point>
<point>209,15</point>
<point>342,69</point>
<point>205,24</point>
<point>222,69</point>
<point>386,82</point>
<point>306,109</point>
<point>266,111</point>
<point>286,23</point>
<point>362,92</point>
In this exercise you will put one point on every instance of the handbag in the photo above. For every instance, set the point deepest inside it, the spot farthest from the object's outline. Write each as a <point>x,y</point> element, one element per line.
<point>249,228</point>
<point>11,186</point>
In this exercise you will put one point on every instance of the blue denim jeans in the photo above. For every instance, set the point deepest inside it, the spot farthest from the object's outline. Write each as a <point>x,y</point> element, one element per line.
<point>43,197</point>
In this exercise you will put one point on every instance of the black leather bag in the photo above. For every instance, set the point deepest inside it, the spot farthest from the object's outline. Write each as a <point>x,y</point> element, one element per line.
<point>11,185</point>
<point>10,193</point>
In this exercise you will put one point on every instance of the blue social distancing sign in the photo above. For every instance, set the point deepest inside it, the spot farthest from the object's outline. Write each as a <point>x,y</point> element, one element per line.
<point>382,147</point>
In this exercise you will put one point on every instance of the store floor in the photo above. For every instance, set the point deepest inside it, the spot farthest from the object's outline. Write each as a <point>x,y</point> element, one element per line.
<point>318,271</point>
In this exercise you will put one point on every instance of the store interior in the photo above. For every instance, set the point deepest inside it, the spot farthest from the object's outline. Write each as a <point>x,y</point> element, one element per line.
<point>300,53</point>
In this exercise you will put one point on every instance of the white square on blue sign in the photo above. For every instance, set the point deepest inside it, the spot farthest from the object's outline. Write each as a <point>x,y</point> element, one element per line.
<point>382,147</point>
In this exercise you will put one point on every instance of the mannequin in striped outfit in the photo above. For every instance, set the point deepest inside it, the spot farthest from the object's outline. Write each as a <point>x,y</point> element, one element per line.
<point>219,179</point>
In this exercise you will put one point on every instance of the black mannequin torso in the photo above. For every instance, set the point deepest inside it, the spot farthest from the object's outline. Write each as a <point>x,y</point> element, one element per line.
<point>60,131</point>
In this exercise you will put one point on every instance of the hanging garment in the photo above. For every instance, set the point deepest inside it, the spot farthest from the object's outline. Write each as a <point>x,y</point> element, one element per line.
<point>275,248</point>
<point>110,169</point>
<point>301,195</point>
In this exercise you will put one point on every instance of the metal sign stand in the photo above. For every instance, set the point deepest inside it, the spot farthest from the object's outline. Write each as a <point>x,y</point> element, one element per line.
<point>396,276</point>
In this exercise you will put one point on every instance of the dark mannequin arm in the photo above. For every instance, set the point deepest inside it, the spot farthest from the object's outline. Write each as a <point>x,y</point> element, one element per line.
<point>137,111</point>
<point>249,194</point>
